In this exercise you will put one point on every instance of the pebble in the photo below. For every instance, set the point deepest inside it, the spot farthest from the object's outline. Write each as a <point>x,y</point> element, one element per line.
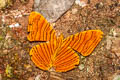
<point>81,66</point>
<point>80,3</point>
<point>38,77</point>
<point>74,11</point>
<point>14,25</point>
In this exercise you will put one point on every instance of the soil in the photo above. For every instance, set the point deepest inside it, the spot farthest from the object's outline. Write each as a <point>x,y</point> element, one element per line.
<point>102,64</point>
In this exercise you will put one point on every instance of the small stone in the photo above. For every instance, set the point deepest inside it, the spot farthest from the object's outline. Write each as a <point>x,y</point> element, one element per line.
<point>74,11</point>
<point>38,77</point>
<point>14,25</point>
<point>11,26</point>
<point>17,25</point>
<point>87,69</point>
<point>19,15</point>
<point>80,3</point>
<point>82,57</point>
<point>81,66</point>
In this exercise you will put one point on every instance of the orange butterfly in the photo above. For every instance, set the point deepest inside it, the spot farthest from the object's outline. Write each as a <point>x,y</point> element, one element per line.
<point>57,53</point>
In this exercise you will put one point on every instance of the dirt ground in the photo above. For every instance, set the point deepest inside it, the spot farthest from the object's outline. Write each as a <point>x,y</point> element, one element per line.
<point>102,64</point>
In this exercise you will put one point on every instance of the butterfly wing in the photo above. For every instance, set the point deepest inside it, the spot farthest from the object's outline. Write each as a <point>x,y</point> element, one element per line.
<point>84,42</point>
<point>39,29</point>
<point>41,55</point>
<point>65,60</point>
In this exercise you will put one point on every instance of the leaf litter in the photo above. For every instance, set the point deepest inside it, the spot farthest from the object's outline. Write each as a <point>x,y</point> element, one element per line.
<point>104,63</point>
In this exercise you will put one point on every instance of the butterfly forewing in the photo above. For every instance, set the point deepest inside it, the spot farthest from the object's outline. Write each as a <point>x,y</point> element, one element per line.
<point>39,29</point>
<point>84,42</point>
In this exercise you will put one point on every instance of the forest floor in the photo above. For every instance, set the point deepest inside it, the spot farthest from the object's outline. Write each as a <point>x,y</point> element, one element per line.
<point>102,64</point>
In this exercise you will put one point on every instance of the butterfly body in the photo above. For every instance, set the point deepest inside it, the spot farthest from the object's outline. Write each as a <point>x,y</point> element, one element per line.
<point>57,53</point>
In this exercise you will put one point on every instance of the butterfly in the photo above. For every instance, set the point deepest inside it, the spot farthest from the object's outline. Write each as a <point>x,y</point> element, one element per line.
<point>57,53</point>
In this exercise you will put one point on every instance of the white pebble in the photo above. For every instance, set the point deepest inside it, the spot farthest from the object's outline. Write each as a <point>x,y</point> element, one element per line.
<point>74,11</point>
<point>20,15</point>
<point>80,3</point>
<point>14,25</point>
<point>11,26</point>
<point>81,66</point>
<point>38,77</point>
<point>17,25</point>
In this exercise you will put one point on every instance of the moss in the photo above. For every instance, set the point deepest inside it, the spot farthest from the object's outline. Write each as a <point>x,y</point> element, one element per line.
<point>1,37</point>
<point>9,71</point>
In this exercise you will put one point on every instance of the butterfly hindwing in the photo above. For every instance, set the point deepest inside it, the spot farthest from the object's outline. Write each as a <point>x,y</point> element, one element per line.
<point>39,29</point>
<point>41,55</point>
<point>84,42</point>
<point>65,59</point>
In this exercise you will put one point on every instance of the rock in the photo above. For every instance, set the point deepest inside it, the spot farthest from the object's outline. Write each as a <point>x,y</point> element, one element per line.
<point>14,25</point>
<point>52,9</point>
<point>81,3</point>
<point>74,11</point>
<point>37,77</point>
<point>81,66</point>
